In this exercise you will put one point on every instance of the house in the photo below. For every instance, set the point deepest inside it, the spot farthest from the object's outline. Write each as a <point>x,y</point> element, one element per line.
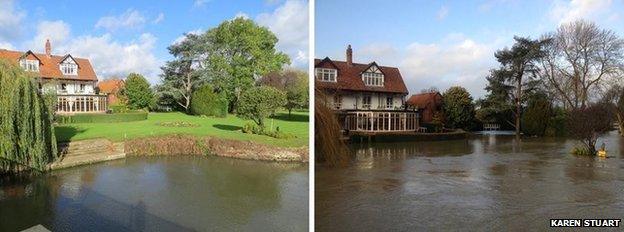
<point>72,78</point>
<point>367,97</point>
<point>112,88</point>
<point>427,104</point>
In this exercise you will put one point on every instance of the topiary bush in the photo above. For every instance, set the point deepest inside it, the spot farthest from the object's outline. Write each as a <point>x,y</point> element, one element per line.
<point>205,101</point>
<point>138,92</point>
<point>27,139</point>
<point>536,116</point>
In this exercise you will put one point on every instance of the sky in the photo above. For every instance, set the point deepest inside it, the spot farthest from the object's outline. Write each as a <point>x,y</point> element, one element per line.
<point>445,43</point>
<point>120,37</point>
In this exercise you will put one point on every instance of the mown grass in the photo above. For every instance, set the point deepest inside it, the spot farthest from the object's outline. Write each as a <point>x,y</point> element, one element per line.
<point>227,128</point>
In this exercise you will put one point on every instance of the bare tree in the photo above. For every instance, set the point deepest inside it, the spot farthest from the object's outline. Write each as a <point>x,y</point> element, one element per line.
<point>587,124</point>
<point>580,57</point>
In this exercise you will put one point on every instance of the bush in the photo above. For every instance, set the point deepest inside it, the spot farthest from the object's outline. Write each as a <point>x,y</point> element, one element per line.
<point>260,102</point>
<point>557,123</point>
<point>458,108</point>
<point>205,101</point>
<point>103,118</point>
<point>536,116</point>
<point>138,92</point>
<point>119,108</point>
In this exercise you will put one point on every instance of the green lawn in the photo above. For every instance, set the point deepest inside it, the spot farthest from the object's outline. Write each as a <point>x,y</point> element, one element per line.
<point>227,128</point>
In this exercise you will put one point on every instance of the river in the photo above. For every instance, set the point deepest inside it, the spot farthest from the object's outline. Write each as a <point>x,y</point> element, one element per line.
<point>181,193</point>
<point>485,183</point>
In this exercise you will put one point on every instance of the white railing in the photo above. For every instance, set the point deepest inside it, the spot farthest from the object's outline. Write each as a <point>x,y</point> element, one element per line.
<point>491,126</point>
<point>81,103</point>
<point>382,121</point>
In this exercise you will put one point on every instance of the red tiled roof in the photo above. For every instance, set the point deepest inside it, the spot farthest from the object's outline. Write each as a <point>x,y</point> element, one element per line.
<point>110,85</point>
<point>424,100</point>
<point>350,77</point>
<point>49,65</point>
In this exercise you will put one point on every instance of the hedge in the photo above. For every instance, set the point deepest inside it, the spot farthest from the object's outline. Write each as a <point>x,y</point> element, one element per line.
<point>102,118</point>
<point>205,101</point>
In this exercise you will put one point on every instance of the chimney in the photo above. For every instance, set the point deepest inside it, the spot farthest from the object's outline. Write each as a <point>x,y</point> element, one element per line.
<point>48,48</point>
<point>349,55</point>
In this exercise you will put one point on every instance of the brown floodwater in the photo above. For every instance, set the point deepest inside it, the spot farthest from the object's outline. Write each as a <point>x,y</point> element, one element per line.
<point>485,183</point>
<point>177,193</point>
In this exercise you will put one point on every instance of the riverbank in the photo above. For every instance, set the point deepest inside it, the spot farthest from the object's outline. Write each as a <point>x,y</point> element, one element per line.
<point>100,150</point>
<point>407,136</point>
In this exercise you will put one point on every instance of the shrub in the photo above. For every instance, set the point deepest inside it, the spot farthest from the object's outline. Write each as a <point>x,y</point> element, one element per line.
<point>587,124</point>
<point>103,118</point>
<point>27,137</point>
<point>458,108</point>
<point>118,108</point>
<point>536,116</point>
<point>205,101</point>
<point>138,92</point>
<point>260,102</point>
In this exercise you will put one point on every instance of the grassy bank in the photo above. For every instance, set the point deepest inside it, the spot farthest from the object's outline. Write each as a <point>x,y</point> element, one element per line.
<point>227,128</point>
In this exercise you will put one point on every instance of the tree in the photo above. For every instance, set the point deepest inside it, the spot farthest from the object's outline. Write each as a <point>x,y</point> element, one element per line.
<point>498,104</point>
<point>138,92</point>
<point>580,58</point>
<point>185,73</point>
<point>587,124</point>
<point>293,83</point>
<point>518,68</point>
<point>537,115</point>
<point>431,89</point>
<point>458,108</point>
<point>258,103</point>
<point>237,52</point>
<point>27,137</point>
<point>206,102</point>
<point>614,98</point>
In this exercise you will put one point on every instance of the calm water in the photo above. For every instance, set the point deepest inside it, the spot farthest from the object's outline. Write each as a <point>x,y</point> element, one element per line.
<point>489,183</point>
<point>161,194</point>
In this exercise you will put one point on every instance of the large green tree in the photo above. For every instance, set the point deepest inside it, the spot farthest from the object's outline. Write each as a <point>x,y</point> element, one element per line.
<point>258,103</point>
<point>294,83</point>
<point>458,108</point>
<point>238,52</point>
<point>537,115</point>
<point>138,92</point>
<point>518,69</point>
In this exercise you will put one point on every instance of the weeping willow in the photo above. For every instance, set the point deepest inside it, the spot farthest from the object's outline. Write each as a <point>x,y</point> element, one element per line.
<point>27,140</point>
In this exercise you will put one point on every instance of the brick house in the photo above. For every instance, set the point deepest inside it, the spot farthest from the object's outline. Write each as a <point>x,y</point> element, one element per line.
<point>112,88</point>
<point>427,105</point>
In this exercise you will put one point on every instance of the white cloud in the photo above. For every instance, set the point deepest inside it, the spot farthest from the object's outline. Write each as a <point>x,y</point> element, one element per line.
<point>129,19</point>
<point>442,13</point>
<point>159,19</point>
<point>199,3</point>
<point>241,15</point>
<point>289,22</point>
<point>580,9</point>
<point>183,37</point>
<point>10,22</point>
<point>58,32</point>
<point>111,58</point>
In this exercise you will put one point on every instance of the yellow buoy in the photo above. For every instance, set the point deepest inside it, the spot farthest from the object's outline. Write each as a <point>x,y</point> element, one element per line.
<point>602,153</point>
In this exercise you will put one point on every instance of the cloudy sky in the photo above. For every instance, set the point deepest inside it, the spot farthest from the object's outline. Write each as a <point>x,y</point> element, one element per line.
<point>445,43</point>
<point>132,36</point>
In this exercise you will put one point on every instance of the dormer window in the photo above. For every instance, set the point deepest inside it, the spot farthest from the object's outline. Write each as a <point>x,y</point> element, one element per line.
<point>326,74</point>
<point>30,65</point>
<point>69,69</point>
<point>373,77</point>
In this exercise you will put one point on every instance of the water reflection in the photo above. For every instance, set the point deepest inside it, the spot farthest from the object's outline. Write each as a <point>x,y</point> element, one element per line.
<point>484,183</point>
<point>161,194</point>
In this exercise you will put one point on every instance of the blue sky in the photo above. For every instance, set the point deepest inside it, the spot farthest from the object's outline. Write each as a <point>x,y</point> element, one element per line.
<point>445,43</point>
<point>132,36</point>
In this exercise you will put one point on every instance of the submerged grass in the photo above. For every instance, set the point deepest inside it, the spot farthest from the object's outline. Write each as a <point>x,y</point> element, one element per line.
<point>329,150</point>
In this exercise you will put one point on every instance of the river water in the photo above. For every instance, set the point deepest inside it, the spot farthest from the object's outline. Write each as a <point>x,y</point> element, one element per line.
<point>485,183</point>
<point>189,193</point>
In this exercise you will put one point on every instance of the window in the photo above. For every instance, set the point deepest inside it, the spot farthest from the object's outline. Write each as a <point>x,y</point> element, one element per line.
<point>326,74</point>
<point>373,79</point>
<point>366,101</point>
<point>82,87</point>
<point>63,87</point>
<point>69,69</point>
<point>30,65</point>
<point>337,101</point>
<point>389,103</point>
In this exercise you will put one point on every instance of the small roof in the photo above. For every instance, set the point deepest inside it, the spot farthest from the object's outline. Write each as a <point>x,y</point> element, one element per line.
<point>350,77</point>
<point>50,65</point>
<point>423,100</point>
<point>111,85</point>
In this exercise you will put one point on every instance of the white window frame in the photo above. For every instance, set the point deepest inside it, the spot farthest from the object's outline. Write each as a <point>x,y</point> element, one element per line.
<point>367,101</point>
<point>30,65</point>
<point>69,69</point>
<point>337,101</point>
<point>326,74</point>
<point>390,103</point>
<point>373,79</point>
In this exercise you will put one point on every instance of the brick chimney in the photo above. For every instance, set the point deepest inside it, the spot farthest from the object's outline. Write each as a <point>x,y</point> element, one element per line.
<point>349,55</point>
<point>48,48</point>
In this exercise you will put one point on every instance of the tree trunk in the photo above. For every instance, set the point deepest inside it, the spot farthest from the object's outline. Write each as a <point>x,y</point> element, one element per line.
<point>518,95</point>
